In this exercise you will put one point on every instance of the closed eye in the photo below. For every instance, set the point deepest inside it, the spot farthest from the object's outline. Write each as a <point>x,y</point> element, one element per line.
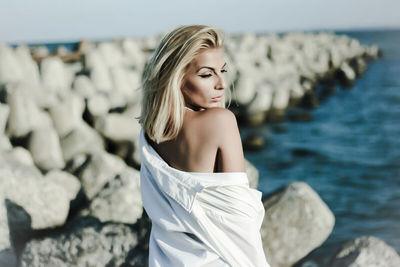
<point>209,75</point>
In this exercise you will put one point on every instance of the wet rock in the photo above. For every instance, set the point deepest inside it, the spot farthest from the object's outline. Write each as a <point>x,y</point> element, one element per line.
<point>310,100</point>
<point>346,75</point>
<point>296,222</point>
<point>298,115</point>
<point>84,242</point>
<point>366,251</point>
<point>253,142</point>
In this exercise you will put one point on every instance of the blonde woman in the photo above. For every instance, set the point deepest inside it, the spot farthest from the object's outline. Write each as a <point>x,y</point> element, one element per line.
<point>193,181</point>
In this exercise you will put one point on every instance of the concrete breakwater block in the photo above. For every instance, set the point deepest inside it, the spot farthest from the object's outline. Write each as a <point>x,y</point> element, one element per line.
<point>296,222</point>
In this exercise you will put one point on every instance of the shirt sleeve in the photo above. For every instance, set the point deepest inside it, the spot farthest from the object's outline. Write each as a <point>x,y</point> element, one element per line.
<point>230,218</point>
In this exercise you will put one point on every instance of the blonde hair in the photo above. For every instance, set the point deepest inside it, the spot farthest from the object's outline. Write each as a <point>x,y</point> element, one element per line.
<point>162,107</point>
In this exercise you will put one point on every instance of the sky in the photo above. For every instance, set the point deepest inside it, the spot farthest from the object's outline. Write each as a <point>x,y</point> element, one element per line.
<point>41,21</point>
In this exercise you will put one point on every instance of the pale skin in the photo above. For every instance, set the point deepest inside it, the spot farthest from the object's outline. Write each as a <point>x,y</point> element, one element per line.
<point>209,140</point>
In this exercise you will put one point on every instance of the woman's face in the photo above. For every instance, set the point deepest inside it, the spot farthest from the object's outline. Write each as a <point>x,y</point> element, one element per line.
<point>204,80</point>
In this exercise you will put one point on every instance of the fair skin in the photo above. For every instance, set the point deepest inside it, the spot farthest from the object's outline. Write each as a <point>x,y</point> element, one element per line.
<point>209,140</point>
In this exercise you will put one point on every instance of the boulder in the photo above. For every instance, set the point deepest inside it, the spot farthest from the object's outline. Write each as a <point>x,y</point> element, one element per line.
<point>296,221</point>
<point>120,200</point>
<point>365,251</point>
<point>101,169</point>
<point>45,148</point>
<point>84,242</point>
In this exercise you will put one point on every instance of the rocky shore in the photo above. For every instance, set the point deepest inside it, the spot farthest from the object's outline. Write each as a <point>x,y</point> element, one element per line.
<point>69,163</point>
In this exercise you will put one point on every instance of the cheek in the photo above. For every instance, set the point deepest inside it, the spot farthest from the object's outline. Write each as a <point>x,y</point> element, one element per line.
<point>197,87</point>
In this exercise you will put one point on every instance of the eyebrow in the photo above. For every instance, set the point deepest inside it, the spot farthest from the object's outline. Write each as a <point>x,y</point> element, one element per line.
<point>208,67</point>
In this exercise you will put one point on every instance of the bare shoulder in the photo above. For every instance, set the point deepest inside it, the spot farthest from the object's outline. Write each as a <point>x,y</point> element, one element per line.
<point>221,127</point>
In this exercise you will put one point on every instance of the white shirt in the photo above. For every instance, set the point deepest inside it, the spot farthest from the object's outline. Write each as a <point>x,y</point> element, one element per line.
<point>200,219</point>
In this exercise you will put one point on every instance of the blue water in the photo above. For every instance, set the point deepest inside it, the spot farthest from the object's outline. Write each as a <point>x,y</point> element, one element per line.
<point>349,153</point>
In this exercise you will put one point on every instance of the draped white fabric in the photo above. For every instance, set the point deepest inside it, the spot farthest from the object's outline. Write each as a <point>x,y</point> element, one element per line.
<point>200,219</point>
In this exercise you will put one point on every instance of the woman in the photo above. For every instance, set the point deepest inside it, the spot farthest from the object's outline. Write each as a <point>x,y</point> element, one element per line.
<point>193,180</point>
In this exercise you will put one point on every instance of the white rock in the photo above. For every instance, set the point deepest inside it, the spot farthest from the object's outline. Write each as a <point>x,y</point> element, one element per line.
<point>69,182</point>
<point>296,221</point>
<point>10,69</point>
<point>55,78</point>
<point>98,105</point>
<point>101,78</point>
<point>84,86</point>
<point>118,127</point>
<point>45,148</point>
<point>121,201</point>
<point>24,113</point>
<point>366,251</point>
<point>67,115</point>
<point>281,98</point>
<point>4,112</point>
<point>112,55</point>
<point>102,168</point>
<point>83,139</point>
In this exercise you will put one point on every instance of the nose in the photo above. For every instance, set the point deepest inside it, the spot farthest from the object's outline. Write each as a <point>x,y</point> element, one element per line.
<point>221,84</point>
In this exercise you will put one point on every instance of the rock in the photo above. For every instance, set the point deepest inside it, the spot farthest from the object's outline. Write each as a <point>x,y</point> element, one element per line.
<point>67,114</point>
<point>101,78</point>
<point>40,51</point>
<point>252,174</point>
<point>45,202</point>
<point>45,148</point>
<point>280,98</point>
<point>244,89</point>
<point>346,75</point>
<point>7,253</point>
<point>55,78</point>
<point>118,127</point>
<point>70,183</point>
<point>101,169</point>
<point>24,113</point>
<point>83,86</point>
<point>4,112</point>
<point>10,69</point>
<point>98,105</point>
<point>111,54</point>
<point>82,139</point>
<point>296,222</point>
<point>5,143</point>
<point>84,242</point>
<point>256,112</point>
<point>365,251</point>
<point>253,142</point>
<point>120,200</point>
<point>121,81</point>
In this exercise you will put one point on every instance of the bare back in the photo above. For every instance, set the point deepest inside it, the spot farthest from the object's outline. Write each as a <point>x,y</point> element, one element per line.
<point>209,141</point>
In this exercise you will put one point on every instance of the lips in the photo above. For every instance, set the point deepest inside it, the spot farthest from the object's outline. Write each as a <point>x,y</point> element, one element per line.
<point>217,97</point>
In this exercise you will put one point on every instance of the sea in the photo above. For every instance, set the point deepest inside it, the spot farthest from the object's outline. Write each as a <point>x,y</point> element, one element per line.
<point>349,153</point>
